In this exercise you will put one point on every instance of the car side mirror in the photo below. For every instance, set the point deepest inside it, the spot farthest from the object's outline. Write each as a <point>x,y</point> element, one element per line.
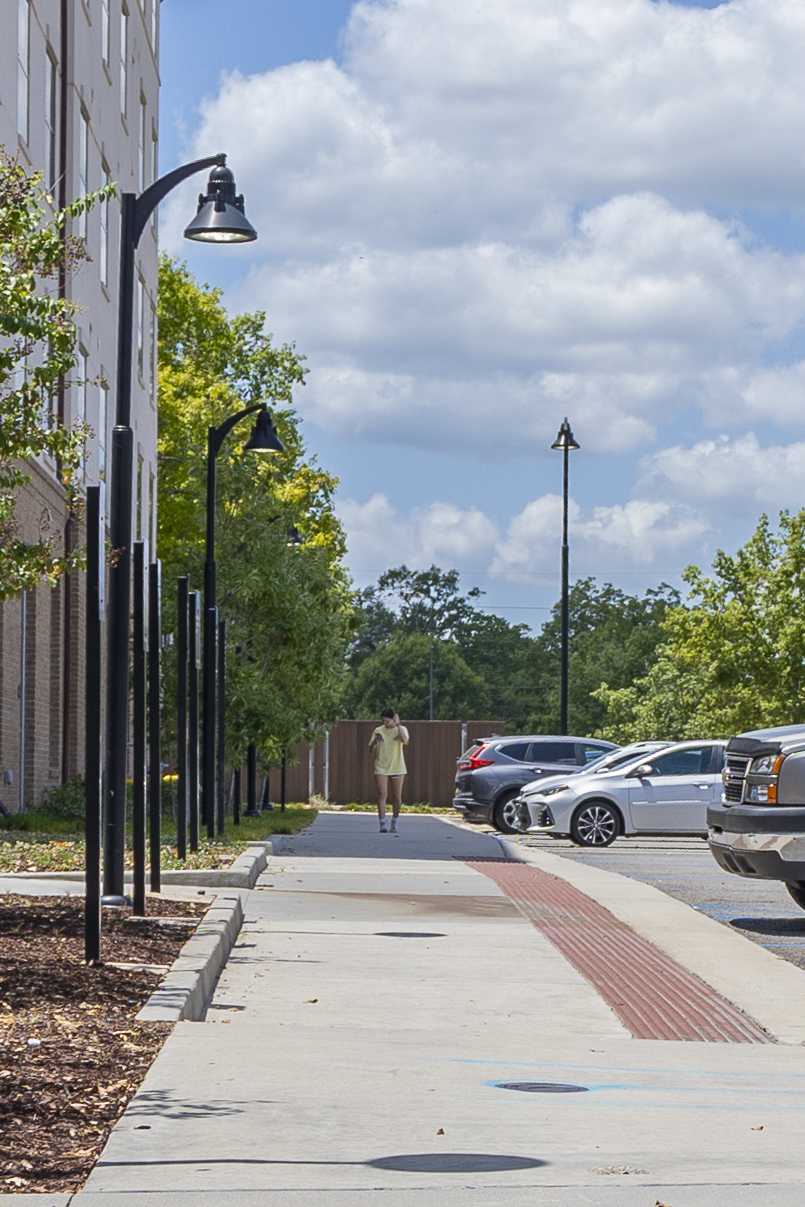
<point>642,772</point>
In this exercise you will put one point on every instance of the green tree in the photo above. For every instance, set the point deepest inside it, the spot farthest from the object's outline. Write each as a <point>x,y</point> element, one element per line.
<point>288,609</point>
<point>733,658</point>
<point>614,639</point>
<point>396,676</point>
<point>37,352</point>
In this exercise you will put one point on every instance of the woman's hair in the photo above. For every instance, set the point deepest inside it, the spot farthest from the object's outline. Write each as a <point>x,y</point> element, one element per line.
<point>387,712</point>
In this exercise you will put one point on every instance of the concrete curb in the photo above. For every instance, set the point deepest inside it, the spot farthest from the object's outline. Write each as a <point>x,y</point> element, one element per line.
<point>763,985</point>
<point>243,873</point>
<point>187,990</point>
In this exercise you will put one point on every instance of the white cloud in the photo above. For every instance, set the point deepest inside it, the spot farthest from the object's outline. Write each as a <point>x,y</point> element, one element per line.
<point>738,470</point>
<point>378,536</point>
<point>637,534</point>
<point>492,215</point>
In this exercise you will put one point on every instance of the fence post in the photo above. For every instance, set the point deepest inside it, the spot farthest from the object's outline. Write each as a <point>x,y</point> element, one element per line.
<point>283,781</point>
<point>93,752</point>
<point>138,709</point>
<point>154,742</point>
<point>192,687</point>
<point>182,757</point>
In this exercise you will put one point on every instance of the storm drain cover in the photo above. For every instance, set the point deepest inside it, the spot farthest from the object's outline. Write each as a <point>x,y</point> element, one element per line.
<point>410,934</point>
<point>541,1087</point>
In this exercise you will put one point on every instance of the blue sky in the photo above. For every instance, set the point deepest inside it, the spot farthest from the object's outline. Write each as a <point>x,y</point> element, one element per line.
<point>473,224</point>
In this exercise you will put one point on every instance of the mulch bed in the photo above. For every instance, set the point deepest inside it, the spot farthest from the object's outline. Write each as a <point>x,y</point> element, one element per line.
<point>71,1054</point>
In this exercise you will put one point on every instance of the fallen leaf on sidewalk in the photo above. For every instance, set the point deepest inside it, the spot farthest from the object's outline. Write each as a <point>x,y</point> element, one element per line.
<point>440,1131</point>
<point>761,1127</point>
<point>311,1001</point>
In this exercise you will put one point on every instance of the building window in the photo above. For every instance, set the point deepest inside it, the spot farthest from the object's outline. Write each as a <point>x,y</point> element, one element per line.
<point>151,512</point>
<point>141,138</point>
<point>140,325</point>
<point>152,351</point>
<point>51,121</point>
<point>106,41</point>
<point>83,167</point>
<point>103,419</point>
<point>124,56</point>
<point>23,67</point>
<point>103,218</point>
<point>139,496</point>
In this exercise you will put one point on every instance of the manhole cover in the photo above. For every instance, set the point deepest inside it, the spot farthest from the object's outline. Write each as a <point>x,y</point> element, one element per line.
<point>541,1087</point>
<point>410,934</point>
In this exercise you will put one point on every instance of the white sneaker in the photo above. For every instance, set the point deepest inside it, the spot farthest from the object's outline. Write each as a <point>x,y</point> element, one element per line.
<point>394,825</point>
<point>383,828</point>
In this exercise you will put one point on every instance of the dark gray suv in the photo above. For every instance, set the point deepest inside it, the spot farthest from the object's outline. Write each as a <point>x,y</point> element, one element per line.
<point>491,774</point>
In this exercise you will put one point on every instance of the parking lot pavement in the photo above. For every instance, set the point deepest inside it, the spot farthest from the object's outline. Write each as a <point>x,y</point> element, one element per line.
<point>760,910</point>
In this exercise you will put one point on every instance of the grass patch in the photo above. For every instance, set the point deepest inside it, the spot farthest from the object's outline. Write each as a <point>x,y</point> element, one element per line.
<point>42,850</point>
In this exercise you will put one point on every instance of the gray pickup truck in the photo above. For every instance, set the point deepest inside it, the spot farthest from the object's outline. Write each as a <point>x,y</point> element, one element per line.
<point>758,829</point>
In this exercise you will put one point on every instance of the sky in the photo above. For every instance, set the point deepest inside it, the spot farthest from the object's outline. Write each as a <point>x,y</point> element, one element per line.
<point>476,219</point>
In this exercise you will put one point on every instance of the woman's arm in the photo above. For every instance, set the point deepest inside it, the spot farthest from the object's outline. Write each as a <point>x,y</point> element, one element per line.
<point>402,732</point>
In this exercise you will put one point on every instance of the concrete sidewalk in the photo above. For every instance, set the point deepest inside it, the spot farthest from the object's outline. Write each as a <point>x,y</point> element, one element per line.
<point>381,994</point>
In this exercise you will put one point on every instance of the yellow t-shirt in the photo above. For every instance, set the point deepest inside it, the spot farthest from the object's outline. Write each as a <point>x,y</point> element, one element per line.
<point>389,756</point>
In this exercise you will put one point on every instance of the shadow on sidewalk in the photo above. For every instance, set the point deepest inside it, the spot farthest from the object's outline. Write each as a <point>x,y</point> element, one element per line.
<point>357,836</point>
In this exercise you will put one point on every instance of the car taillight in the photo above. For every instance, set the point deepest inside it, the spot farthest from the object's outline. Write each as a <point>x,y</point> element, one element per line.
<point>474,760</point>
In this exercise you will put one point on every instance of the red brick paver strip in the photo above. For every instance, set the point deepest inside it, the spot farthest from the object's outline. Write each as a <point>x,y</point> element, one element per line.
<point>652,995</point>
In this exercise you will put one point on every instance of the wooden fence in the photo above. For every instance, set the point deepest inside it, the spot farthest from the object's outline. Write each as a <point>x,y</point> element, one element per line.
<point>339,768</point>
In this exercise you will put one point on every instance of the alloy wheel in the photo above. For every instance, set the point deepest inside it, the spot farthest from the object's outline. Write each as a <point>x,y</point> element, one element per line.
<point>596,826</point>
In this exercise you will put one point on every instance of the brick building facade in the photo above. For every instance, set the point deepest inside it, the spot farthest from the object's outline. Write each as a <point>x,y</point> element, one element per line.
<point>79,102</point>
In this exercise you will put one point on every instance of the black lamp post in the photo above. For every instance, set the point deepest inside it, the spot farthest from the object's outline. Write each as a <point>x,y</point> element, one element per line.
<point>264,439</point>
<point>566,443</point>
<point>220,219</point>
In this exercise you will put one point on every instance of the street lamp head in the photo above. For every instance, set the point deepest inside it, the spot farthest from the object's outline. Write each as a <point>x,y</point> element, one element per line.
<point>294,537</point>
<point>220,217</point>
<point>565,438</point>
<point>264,438</point>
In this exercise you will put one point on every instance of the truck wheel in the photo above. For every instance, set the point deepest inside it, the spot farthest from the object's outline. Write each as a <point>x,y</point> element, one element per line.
<point>505,815</point>
<point>595,824</point>
<point>796,888</point>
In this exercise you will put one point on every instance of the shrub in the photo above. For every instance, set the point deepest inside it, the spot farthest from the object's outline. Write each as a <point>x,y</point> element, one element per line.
<point>67,800</point>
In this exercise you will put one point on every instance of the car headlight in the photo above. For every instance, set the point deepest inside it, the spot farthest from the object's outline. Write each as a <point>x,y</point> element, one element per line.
<point>767,764</point>
<point>554,791</point>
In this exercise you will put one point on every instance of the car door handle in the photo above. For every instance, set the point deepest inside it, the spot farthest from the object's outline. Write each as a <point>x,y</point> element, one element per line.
<point>704,787</point>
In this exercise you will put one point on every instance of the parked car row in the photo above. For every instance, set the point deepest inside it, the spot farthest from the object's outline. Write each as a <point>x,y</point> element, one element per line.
<point>746,796</point>
<point>587,790</point>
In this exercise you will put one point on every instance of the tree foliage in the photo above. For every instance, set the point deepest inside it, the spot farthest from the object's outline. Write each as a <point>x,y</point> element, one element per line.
<point>288,609</point>
<point>732,658</point>
<point>37,353</point>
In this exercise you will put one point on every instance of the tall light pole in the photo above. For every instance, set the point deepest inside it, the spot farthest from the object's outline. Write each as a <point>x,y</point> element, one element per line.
<point>220,219</point>
<point>566,443</point>
<point>264,439</point>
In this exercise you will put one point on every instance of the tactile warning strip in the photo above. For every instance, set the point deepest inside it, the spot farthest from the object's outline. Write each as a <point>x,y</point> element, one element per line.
<point>652,995</point>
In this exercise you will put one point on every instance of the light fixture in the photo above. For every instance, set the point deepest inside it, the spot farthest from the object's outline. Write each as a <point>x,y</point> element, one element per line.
<point>221,217</point>
<point>264,438</point>
<point>565,438</point>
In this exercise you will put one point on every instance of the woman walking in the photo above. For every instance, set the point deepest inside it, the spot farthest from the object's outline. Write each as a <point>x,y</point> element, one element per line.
<point>387,744</point>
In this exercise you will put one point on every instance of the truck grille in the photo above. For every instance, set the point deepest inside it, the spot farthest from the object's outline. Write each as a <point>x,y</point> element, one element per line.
<point>734,775</point>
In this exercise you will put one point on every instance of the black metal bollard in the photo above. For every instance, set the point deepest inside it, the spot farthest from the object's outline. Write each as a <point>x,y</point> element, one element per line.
<point>236,795</point>
<point>182,759</point>
<point>154,744</point>
<point>138,718</point>
<point>251,780</point>
<point>192,715</point>
<point>220,731</point>
<point>93,714</point>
